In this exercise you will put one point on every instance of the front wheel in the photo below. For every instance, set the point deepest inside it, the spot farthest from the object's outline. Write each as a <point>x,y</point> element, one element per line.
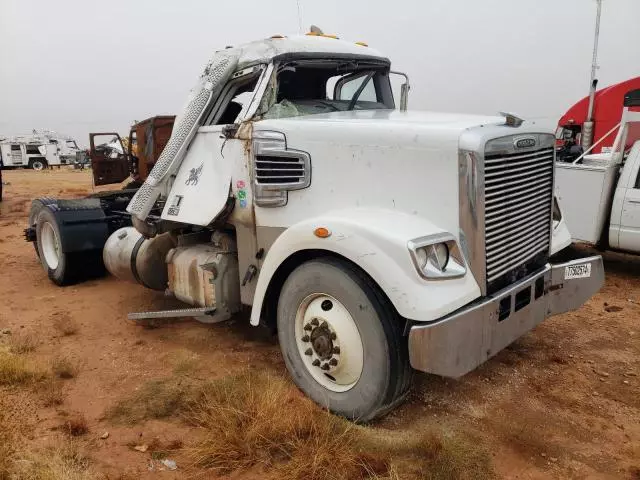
<point>342,341</point>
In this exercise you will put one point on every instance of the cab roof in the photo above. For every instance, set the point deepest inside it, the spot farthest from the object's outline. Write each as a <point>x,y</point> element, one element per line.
<point>309,46</point>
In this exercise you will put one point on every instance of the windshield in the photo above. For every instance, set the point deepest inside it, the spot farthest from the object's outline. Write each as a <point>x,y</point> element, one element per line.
<point>310,87</point>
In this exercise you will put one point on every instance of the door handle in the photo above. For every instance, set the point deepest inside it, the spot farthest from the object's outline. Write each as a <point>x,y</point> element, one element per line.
<point>633,201</point>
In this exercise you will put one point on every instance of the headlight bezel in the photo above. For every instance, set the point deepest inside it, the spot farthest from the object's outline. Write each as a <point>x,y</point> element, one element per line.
<point>454,266</point>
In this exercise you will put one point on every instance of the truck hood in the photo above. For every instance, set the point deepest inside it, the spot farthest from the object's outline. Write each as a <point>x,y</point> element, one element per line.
<point>453,122</point>
<point>404,161</point>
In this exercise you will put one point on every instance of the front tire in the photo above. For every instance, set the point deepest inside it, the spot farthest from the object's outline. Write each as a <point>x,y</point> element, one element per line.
<point>342,341</point>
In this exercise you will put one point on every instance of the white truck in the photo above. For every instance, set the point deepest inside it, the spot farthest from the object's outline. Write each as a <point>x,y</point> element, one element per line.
<point>374,240</point>
<point>38,150</point>
<point>600,193</point>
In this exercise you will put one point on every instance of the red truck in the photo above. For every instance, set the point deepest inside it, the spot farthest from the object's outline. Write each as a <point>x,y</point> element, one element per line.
<point>575,133</point>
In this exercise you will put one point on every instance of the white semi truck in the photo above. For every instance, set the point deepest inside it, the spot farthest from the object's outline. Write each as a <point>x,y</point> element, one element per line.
<point>600,193</point>
<point>374,240</point>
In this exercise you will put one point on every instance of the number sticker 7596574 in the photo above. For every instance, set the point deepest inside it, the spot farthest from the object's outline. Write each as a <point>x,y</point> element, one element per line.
<point>577,271</point>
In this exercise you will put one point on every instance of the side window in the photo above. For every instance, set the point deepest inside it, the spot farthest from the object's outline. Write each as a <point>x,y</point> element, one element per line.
<point>15,148</point>
<point>348,89</point>
<point>236,95</point>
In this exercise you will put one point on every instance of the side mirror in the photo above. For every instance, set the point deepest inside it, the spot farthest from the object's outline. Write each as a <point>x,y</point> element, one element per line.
<point>404,91</point>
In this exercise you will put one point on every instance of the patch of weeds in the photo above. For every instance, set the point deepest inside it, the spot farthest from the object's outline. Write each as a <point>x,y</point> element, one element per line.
<point>75,426</point>
<point>16,370</point>
<point>255,419</point>
<point>155,399</point>
<point>64,367</point>
<point>51,392</point>
<point>65,324</point>
<point>24,343</point>
<point>183,361</point>
<point>7,448</point>
<point>65,462</point>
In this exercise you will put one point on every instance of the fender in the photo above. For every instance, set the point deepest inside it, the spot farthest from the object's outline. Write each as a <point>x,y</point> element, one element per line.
<point>376,241</point>
<point>83,224</point>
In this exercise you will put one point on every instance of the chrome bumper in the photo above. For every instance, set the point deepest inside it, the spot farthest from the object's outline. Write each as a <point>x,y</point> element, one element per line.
<point>459,342</point>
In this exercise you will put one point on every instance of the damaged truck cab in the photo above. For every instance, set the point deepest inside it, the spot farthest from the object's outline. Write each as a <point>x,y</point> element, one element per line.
<point>374,239</point>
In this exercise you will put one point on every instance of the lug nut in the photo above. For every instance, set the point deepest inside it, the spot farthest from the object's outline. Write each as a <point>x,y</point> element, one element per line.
<point>325,366</point>
<point>306,338</point>
<point>316,363</point>
<point>315,322</point>
<point>333,336</point>
<point>308,351</point>
<point>336,350</point>
<point>308,327</point>
<point>333,362</point>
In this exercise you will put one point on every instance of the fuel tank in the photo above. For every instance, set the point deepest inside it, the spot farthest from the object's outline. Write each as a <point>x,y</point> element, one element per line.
<point>129,256</point>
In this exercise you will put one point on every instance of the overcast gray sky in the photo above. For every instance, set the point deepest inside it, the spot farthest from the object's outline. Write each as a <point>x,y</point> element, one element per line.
<point>77,66</point>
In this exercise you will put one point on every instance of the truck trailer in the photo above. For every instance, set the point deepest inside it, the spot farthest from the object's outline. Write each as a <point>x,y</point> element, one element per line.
<point>374,240</point>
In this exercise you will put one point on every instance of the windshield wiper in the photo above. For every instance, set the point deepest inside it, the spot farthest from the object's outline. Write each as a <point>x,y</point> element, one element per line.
<point>356,95</point>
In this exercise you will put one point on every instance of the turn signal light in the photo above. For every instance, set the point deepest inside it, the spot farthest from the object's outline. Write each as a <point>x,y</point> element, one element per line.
<point>322,232</point>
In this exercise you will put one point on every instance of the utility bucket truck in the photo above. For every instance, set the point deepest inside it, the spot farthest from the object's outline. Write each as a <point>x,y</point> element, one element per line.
<point>600,192</point>
<point>374,240</point>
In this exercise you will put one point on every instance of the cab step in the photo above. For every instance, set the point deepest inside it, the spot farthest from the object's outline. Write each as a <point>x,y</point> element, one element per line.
<point>204,314</point>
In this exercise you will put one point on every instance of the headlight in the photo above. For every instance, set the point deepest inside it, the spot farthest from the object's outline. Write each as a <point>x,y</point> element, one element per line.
<point>437,257</point>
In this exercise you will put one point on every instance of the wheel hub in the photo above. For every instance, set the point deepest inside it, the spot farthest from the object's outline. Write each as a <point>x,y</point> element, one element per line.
<point>322,324</point>
<point>321,341</point>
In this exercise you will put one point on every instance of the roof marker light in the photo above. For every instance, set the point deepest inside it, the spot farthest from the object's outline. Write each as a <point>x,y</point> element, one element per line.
<point>362,44</point>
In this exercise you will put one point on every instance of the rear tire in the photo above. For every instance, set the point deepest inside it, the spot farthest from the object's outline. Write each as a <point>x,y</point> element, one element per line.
<point>342,341</point>
<point>37,164</point>
<point>63,268</point>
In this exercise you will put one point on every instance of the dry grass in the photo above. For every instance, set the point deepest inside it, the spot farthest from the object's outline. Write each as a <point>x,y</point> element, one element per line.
<point>155,399</point>
<point>16,370</point>
<point>64,324</point>
<point>66,462</point>
<point>7,448</point>
<point>51,392</point>
<point>75,426</point>
<point>24,343</point>
<point>249,420</point>
<point>253,420</point>
<point>184,362</point>
<point>64,367</point>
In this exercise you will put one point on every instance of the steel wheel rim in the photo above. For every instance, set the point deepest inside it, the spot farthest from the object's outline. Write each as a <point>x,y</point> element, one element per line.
<point>50,245</point>
<point>329,342</point>
<point>38,165</point>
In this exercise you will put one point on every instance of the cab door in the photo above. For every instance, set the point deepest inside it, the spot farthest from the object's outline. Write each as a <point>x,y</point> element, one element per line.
<point>628,203</point>
<point>108,158</point>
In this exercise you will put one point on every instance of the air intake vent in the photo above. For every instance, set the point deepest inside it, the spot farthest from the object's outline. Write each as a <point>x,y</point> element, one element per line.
<point>277,170</point>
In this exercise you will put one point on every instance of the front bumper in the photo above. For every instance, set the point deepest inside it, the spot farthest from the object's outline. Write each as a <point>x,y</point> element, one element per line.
<point>459,342</point>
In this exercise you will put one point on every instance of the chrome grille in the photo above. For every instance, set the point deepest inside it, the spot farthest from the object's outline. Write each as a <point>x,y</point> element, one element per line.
<point>517,210</point>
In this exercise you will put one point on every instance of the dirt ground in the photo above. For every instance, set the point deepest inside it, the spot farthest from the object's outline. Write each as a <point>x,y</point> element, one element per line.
<point>561,402</point>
